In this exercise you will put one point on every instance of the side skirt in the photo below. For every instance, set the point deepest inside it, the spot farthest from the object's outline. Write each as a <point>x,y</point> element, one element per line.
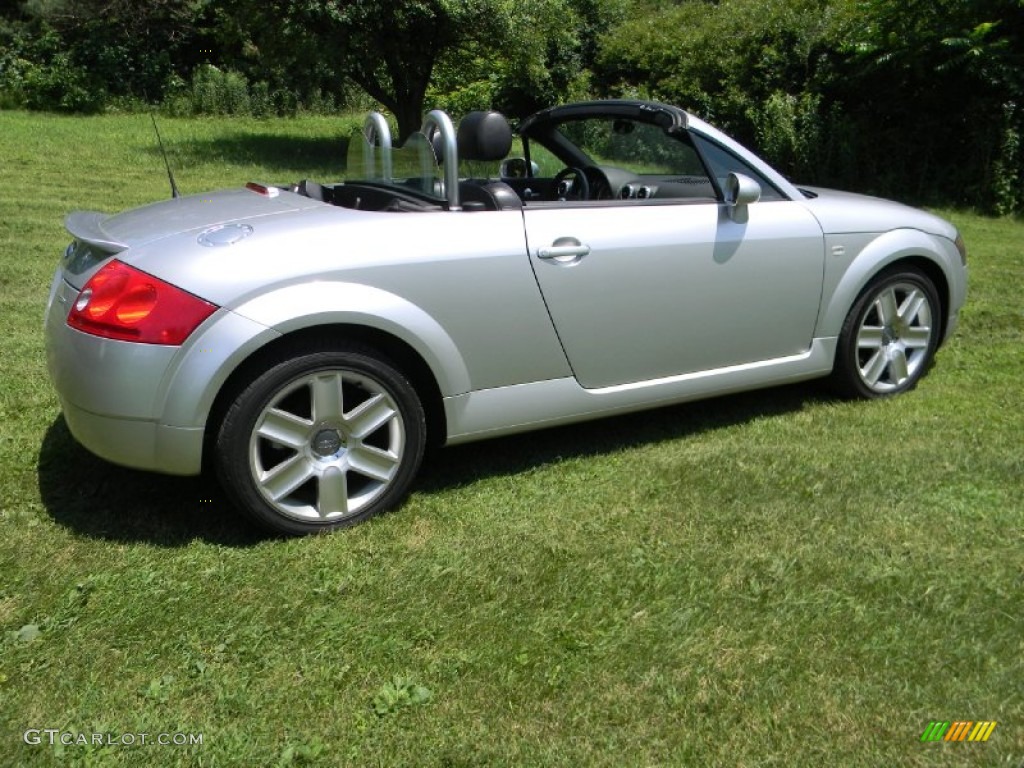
<point>522,407</point>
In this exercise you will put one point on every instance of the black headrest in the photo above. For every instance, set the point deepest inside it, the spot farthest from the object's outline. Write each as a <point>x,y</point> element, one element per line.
<point>310,188</point>
<point>484,136</point>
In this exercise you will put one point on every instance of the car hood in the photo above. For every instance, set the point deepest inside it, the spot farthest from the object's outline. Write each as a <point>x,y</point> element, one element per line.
<point>141,226</point>
<point>847,212</point>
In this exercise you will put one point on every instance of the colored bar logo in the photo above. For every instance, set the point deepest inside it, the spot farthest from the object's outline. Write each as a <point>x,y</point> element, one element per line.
<point>959,730</point>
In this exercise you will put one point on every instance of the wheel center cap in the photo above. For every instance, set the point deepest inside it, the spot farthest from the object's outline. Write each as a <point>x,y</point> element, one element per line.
<point>326,442</point>
<point>889,335</point>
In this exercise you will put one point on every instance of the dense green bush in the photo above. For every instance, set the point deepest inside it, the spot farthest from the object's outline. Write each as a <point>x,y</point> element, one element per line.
<point>35,72</point>
<point>1008,168</point>
<point>215,91</point>
<point>917,99</point>
<point>928,83</point>
<point>909,98</point>
<point>59,85</point>
<point>219,92</point>
<point>741,64</point>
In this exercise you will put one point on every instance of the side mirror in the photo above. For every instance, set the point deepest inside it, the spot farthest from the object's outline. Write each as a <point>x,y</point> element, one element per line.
<point>515,168</point>
<point>741,190</point>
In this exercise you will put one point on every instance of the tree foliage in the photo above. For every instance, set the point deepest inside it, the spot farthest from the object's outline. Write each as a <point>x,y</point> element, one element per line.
<point>548,49</point>
<point>940,83</point>
<point>389,50</point>
<point>754,67</point>
<point>920,99</point>
<point>115,48</point>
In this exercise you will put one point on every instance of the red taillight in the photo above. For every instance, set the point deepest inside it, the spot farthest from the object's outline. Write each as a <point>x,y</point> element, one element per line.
<point>120,302</point>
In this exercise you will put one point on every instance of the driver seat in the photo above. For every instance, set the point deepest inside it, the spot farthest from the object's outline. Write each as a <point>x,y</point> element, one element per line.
<point>486,137</point>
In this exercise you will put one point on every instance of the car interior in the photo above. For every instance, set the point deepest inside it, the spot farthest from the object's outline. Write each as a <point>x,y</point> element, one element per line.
<point>409,179</point>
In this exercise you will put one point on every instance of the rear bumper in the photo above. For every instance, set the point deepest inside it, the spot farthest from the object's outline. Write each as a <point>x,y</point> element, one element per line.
<point>121,399</point>
<point>137,443</point>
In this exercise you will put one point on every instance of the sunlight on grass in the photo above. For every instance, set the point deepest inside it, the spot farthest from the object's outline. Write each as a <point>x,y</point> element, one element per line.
<point>775,578</point>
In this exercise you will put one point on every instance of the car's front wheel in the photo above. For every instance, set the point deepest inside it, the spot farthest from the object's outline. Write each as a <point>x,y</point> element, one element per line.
<point>890,335</point>
<point>321,440</point>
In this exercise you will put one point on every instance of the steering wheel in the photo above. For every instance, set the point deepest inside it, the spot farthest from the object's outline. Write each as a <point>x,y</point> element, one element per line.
<point>571,180</point>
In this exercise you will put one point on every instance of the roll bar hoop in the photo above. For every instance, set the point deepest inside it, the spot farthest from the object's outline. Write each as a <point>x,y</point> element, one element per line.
<point>437,121</point>
<point>376,131</point>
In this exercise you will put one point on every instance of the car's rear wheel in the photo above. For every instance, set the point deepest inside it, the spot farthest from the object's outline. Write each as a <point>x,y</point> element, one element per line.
<point>890,335</point>
<point>322,440</point>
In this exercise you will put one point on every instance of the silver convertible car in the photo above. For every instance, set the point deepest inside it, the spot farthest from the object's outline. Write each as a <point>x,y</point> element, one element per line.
<point>309,342</point>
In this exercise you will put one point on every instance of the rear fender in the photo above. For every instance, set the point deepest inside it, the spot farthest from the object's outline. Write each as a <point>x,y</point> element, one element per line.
<point>209,358</point>
<point>307,305</point>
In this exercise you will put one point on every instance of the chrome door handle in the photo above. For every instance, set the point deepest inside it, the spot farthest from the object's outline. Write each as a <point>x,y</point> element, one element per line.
<point>564,249</point>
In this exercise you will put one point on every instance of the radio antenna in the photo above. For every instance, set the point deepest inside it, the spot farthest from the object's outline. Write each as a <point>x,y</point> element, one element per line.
<point>167,163</point>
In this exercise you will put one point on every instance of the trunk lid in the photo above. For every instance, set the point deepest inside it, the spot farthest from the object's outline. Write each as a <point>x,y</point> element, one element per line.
<point>156,221</point>
<point>99,236</point>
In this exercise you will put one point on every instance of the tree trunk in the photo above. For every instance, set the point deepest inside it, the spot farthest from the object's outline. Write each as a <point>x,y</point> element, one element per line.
<point>409,114</point>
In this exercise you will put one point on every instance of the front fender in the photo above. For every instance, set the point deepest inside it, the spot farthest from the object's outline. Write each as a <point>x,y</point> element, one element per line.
<point>852,260</point>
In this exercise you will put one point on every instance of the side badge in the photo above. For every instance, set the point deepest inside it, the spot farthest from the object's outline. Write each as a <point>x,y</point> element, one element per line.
<point>224,234</point>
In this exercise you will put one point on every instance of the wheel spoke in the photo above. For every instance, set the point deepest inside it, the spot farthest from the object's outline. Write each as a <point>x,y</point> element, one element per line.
<point>917,337</point>
<point>332,493</point>
<point>326,396</point>
<point>875,367</point>
<point>370,416</point>
<point>886,306</point>
<point>373,462</point>
<point>898,366</point>
<point>284,428</point>
<point>911,306</point>
<point>869,337</point>
<point>286,476</point>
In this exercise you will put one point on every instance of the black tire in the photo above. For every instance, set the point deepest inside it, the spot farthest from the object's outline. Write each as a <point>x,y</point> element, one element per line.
<point>889,338</point>
<point>322,440</point>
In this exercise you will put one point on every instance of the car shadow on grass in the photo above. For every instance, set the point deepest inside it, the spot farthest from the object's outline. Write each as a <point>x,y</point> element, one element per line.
<point>101,500</point>
<point>464,464</point>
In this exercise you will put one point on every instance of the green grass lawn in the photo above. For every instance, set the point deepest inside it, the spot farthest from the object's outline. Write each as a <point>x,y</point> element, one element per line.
<point>772,579</point>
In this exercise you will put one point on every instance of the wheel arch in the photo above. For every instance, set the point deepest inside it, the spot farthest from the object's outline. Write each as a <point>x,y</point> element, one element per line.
<point>934,273</point>
<point>395,351</point>
<point>241,337</point>
<point>899,248</point>
<point>275,323</point>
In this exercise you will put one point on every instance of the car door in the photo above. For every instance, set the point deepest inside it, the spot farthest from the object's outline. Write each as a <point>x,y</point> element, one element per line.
<point>642,290</point>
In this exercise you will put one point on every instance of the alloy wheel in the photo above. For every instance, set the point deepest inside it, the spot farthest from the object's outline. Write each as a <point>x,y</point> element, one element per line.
<point>895,337</point>
<point>326,445</point>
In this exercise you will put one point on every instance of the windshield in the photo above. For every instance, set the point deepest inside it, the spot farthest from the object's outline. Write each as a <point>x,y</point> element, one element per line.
<point>640,147</point>
<point>411,167</point>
